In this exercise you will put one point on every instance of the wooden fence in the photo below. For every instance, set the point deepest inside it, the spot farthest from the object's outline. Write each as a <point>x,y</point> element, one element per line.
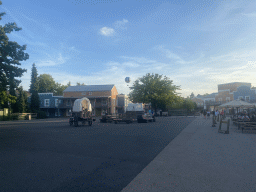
<point>22,116</point>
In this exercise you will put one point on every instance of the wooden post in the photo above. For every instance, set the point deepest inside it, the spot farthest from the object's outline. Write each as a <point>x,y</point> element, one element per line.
<point>213,121</point>
<point>228,126</point>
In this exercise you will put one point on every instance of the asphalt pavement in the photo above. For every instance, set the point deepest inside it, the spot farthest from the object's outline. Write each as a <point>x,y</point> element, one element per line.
<point>201,159</point>
<point>49,155</point>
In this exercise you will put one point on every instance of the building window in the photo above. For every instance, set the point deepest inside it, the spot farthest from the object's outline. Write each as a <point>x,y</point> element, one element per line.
<point>47,113</point>
<point>47,102</point>
<point>56,113</point>
<point>83,93</point>
<point>56,102</point>
<point>240,97</point>
<point>90,93</point>
<point>68,103</point>
<point>247,98</point>
<point>227,99</point>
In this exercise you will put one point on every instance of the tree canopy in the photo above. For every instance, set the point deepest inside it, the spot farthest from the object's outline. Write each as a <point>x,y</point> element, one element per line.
<point>35,101</point>
<point>154,89</point>
<point>11,54</point>
<point>46,84</point>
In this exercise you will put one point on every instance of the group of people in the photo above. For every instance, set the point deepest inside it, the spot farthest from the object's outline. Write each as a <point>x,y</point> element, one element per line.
<point>245,116</point>
<point>215,113</point>
<point>206,113</point>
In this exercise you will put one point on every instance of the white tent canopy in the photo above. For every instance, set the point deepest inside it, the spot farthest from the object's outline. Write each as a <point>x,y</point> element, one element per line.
<point>135,107</point>
<point>237,103</point>
<point>82,104</point>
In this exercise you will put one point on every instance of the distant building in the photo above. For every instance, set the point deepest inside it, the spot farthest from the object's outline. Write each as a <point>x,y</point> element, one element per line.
<point>245,93</point>
<point>199,101</point>
<point>122,103</point>
<point>102,97</point>
<point>51,105</point>
<point>226,91</point>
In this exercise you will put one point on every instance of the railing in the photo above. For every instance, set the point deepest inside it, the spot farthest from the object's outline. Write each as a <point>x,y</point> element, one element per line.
<point>22,116</point>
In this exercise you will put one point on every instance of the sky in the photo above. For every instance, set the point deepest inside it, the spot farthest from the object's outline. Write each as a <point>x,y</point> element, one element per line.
<point>198,44</point>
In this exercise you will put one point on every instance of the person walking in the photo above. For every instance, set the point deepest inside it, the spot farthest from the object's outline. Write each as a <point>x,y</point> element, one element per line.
<point>208,114</point>
<point>204,114</point>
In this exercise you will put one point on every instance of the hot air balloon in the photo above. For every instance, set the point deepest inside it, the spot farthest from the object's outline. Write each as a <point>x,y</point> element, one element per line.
<point>127,79</point>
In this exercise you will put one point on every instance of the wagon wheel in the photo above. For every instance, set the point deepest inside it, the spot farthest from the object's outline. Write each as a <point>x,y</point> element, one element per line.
<point>90,123</point>
<point>70,123</point>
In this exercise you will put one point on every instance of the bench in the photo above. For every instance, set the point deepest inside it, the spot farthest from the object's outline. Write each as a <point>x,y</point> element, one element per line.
<point>247,125</point>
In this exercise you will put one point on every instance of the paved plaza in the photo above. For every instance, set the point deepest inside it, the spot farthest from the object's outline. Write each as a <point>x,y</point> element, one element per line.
<point>201,159</point>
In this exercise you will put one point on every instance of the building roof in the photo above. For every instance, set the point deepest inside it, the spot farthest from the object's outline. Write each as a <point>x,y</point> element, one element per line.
<point>87,96</point>
<point>91,88</point>
<point>212,95</point>
<point>234,83</point>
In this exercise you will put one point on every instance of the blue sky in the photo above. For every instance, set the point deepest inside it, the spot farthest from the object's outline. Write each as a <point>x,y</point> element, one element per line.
<point>197,44</point>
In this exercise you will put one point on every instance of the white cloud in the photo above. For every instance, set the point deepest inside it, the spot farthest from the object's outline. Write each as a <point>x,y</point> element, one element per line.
<point>141,60</point>
<point>250,15</point>
<point>120,24</point>
<point>52,61</point>
<point>107,31</point>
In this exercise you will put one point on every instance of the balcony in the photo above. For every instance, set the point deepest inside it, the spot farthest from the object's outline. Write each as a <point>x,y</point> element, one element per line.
<point>100,105</point>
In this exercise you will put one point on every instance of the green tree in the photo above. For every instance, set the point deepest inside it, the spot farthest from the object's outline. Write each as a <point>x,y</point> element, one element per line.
<point>4,97</point>
<point>59,89</point>
<point>46,84</point>
<point>11,53</point>
<point>188,104</point>
<point>77,83</point>
<point>154,89</point>
<point>22,102</point>
<point>192,95</point>
<point>35,101</point>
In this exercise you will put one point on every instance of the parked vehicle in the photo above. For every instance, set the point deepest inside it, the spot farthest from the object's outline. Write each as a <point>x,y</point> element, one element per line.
<point>146,118</point>
<point>106,119</point>
<point>82,112</point>
<point>128,117</point>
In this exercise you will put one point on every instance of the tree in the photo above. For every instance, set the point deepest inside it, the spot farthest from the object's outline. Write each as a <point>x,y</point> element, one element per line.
<point>191,95</point>
<point>155,90</point>
<point>59,89</point>
<point>77,83</point>
<point>46,84</point>
<point>35,101</point>
<point>4,97</point>
<point>11,53</point>
<point>22,102</point>
<point>188,104</point>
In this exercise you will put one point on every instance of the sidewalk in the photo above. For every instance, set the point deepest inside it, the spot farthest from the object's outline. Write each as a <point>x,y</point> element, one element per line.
<point>201,159</point>
<point>60,119</point>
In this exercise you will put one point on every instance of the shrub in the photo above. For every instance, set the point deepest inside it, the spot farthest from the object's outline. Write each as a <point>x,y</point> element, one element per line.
<point>41,115</point>
<point>15,117</point>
